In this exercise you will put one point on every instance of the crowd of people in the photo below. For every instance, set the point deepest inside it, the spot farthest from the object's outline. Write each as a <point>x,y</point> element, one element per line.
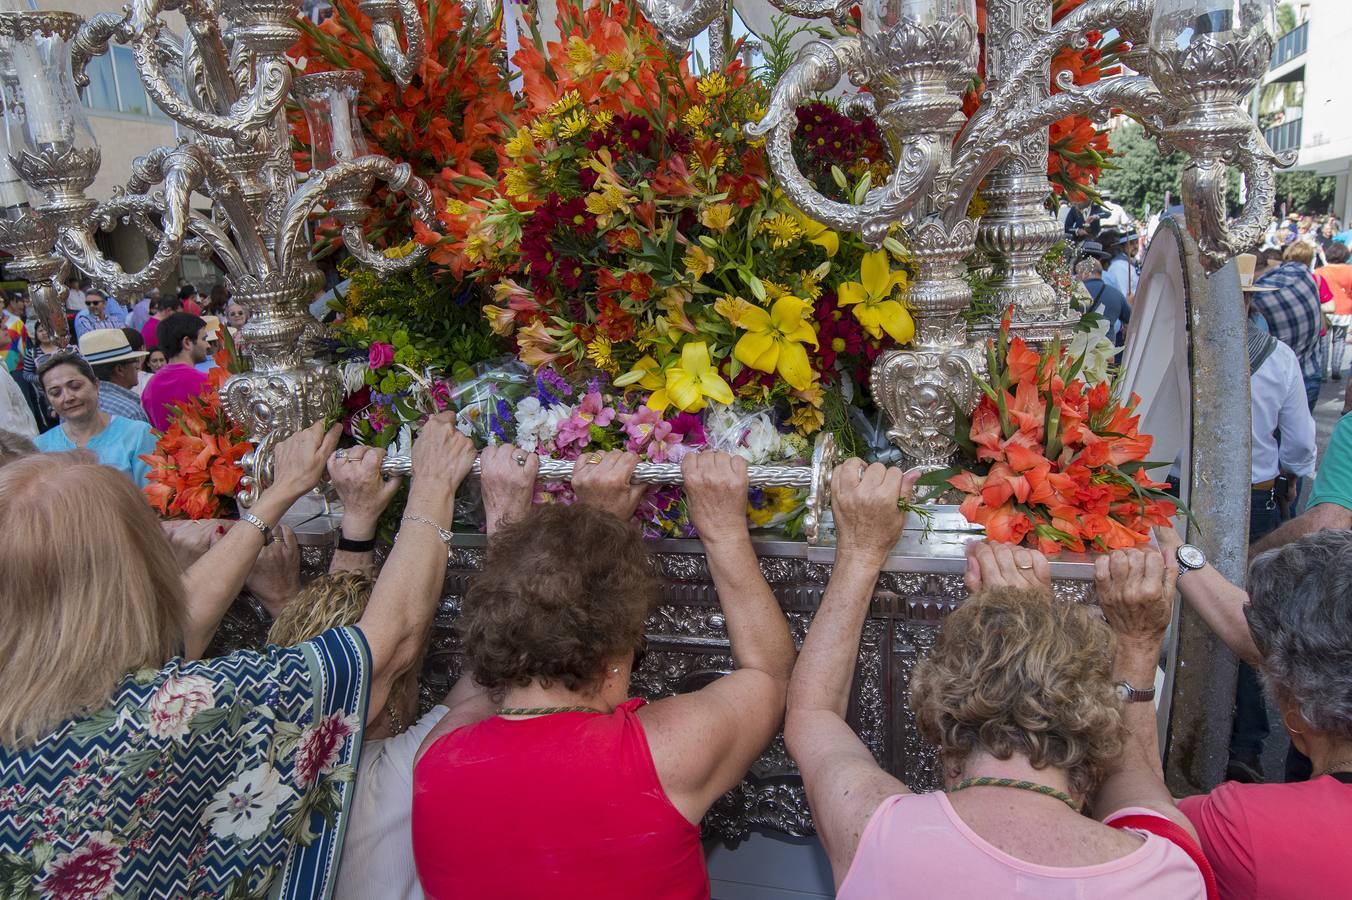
<point>129,762</point>
<point>123,376</point>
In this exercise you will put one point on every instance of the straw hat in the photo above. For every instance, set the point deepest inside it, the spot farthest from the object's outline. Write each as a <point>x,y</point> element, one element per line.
<point>107,345</point>
<point>1247,262</point>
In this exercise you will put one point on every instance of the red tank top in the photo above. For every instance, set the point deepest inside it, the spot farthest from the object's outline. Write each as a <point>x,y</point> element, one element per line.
<point>562,806</point>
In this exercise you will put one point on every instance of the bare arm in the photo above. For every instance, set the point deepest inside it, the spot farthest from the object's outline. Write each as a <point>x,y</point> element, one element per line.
<point>703,742</point>
<point>1216,600</point>
<point>1316,518</point>
<point>406,593</point>
<point>844,782</point>
<point>365,494</point>
<point>213,582</point>
<point>1135,590</point>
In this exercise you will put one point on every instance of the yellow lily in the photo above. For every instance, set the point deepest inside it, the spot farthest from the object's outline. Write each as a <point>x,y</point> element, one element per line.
<point>774,340</point>
<point>646,373</point>
<point>689,383</point>
<point>871,298</point>
<point>817,233</point>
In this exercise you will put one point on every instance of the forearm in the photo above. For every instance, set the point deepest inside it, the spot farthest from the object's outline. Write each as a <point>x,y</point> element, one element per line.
<point>1291,531</point>
<point>757,629</point>
<point>1138,665</point>
<point>825,671</point>
<point>1136,777</point>
<point>213,582</point>
<point>406,593</point>
<point>1221,606</point>
<point>357,525</point>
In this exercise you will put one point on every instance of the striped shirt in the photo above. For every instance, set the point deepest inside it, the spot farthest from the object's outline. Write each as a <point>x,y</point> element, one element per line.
<point>116,400</point>
<point>1293,315</point>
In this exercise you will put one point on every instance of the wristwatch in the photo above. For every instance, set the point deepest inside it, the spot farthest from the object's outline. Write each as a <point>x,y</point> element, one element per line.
<point>259,524</point>
<point>1190,559</point>
<point>349,545</point>
<point>1131,694</point>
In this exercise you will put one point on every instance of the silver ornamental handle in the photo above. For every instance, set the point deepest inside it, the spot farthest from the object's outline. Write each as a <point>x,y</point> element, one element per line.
<point>815,479</point>
<point>561,470</point>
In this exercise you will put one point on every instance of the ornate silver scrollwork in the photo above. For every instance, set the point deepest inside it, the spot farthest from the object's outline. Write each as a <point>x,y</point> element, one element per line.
<point>403,61</point>
<point>920,386</point>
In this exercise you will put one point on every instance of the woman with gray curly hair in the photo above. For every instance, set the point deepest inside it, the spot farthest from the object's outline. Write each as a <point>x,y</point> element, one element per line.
<point>1286,841</point>
<point>1021,696</point>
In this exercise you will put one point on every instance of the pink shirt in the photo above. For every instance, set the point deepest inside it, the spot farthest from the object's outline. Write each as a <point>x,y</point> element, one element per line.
<point>917,846</point>
<point>149,334</point>
<point>1277,841</point>
<point>173,383</point>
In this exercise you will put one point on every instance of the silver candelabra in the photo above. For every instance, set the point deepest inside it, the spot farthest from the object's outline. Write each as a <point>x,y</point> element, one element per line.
<point>1198,59</point>
<point>226,82</point>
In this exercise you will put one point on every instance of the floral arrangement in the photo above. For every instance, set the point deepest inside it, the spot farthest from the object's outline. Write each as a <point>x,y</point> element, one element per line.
<point>541,412</point>
<point>399,338</point>
<point>1052,462</point>
<point>449,124</point>
<point>195,470</point>
<point>635,232</point>
<point>1079,149</point>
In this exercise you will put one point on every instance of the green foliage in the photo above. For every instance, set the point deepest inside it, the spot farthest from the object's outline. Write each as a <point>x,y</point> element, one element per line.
<point>1140,175</point>
<point>430,321</point>
<point>1305,192</point>
<point>1286,18</point>
<point>778,51</point>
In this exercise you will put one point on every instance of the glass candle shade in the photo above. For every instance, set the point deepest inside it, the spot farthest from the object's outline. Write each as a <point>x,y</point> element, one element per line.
<point>329,101</point>
<point>1181,24</point>
<point>878,16</point>
<point>43,113</point>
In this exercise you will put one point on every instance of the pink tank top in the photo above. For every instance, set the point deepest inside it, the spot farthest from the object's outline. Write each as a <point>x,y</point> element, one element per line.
<point>562,806</point>
<point>916,846</point>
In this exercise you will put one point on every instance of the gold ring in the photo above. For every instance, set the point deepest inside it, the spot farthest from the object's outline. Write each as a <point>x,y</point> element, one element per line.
<point>594,459</point>
<point>1025,568</point>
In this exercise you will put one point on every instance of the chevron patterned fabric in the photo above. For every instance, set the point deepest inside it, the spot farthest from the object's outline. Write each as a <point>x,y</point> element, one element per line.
<point>226,777</point>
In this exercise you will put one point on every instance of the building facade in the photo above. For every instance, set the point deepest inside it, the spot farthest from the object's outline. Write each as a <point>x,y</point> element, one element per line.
<point>125,125</point>
<point>1306,105</point>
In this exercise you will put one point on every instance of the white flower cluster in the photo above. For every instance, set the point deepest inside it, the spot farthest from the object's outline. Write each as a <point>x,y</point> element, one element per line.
<point>1098,352</point>
<point>750,435</point>
<point>537,425</point>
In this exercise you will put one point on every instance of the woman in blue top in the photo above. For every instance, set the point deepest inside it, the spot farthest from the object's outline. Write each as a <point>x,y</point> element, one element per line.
<point>128,767</point>
<point>69,384</point>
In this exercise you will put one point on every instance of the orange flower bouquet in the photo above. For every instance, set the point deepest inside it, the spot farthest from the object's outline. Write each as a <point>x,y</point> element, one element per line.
<point>195,470</point>
<point>1052,463</point>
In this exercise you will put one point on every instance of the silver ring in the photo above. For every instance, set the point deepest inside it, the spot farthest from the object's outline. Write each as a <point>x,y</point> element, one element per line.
<point>520,459</point>
<point>1023,568</point>
<point>340,454</point>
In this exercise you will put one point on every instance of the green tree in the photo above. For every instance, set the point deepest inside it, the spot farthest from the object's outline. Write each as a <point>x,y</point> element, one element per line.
<point>1139,174</point>
<point>1305,192</point>
<point>1286,18</point>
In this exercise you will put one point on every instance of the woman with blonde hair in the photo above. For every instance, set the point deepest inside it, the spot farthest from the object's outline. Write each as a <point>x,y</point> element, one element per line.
<point>126,767</point>
<point>377,855</point>
<point>1019,694</point>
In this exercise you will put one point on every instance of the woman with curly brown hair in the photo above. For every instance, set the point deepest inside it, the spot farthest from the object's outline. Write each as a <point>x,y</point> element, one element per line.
<point>573,789</point>
<point>1019,695</point>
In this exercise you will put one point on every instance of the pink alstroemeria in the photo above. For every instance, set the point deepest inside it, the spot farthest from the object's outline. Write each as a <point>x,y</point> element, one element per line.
<point>576,429</point>
<point>649,433</point>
